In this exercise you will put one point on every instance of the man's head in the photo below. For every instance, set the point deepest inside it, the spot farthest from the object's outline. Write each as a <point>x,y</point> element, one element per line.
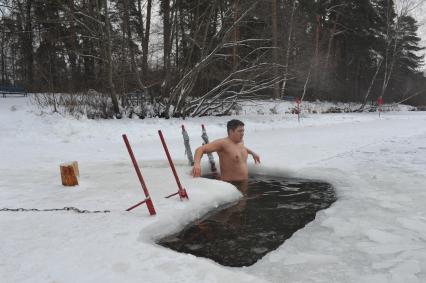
<point>235,130</point>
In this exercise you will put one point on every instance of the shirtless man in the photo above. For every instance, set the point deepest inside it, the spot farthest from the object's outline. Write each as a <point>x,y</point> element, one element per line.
<point>232,154</point>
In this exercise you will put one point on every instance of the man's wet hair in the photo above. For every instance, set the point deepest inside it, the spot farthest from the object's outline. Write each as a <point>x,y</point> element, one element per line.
<point>233,124</point>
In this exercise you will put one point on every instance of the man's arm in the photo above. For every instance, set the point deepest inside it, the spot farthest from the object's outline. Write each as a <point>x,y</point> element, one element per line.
<point>255,156</point>
<point>214,146</point>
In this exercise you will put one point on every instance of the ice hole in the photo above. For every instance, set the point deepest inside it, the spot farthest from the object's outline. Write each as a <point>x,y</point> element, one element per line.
<point>270,211</point>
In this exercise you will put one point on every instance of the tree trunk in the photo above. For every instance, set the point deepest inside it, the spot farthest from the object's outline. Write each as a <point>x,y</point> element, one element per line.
<point>389,62</point>
<point>367,94</point>
<point>130,45</point>
<point>330,43</point>
<point>167,48</point>
<point>316,60</point>
<point>183,45</point>
<point>236,35</point>
<point>72,48</point>
<point>287,53</point>
<point>28,45</point>
<point>276,90</point>
<point>145,36</point>
<point>176,34</point>
<point>88,44</point>
<point>3,65</point>
<point>109,61</point>
<point>99,65</point>
<point>305,86</point>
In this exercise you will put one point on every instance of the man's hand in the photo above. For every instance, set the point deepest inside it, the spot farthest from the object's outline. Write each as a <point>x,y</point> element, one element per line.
<point>196,170</point>
<point>256,158</point>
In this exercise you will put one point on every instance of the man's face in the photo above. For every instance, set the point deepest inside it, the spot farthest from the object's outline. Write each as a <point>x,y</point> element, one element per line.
<point>237,134</point>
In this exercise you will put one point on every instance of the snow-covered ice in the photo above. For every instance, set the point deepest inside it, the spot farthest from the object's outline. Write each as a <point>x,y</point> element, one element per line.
<point>374,232</point>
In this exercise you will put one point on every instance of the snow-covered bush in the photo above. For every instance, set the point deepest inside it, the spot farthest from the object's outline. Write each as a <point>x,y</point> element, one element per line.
<point>92,104</point>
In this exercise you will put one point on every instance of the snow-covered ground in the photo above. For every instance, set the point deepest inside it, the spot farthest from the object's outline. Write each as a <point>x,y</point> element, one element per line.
<point>374,232</point>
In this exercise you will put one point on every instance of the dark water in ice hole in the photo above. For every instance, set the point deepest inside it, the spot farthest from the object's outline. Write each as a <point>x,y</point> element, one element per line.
<point>241,233</point>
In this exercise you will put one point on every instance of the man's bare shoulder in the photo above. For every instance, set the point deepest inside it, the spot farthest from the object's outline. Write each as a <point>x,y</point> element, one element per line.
<point>219,142</point>
<point>222,140</point>
<point>214,146</point>
<point>226,143</point>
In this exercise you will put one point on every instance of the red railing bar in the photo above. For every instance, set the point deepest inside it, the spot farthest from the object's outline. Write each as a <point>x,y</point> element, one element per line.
<point>136,205</point>
<point>148,200</point>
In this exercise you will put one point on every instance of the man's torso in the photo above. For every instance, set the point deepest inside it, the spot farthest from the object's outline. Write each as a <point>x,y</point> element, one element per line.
<point>233,161</point>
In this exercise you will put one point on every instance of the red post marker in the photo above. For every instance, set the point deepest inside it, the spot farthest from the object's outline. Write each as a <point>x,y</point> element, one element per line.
<point>379,104</point>
<point>147,200</point>
<point>181,191</point>
<point>298,102</point>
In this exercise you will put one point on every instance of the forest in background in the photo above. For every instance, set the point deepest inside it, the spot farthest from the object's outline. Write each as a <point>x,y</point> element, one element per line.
<point>213,52</point>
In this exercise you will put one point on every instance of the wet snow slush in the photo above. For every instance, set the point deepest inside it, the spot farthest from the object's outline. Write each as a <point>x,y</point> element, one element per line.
<point>241,233</point>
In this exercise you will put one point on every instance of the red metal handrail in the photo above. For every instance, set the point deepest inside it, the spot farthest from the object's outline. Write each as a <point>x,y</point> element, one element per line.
<point>147,200</point>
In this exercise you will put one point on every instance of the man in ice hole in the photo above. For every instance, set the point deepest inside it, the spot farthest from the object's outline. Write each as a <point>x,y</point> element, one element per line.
<point>232,154</point>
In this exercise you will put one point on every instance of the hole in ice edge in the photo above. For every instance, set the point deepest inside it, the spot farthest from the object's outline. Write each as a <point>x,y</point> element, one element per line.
<point>241,233</point>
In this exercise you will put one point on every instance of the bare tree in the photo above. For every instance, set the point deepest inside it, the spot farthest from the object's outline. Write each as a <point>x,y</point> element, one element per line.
<point>333,33</point>
<point>73,45</point>
<point>144,34</point>
<point>370,87</point>
<point>276,89</point>
<point>287,53</point>
<point>236,34</point>
<point>167,46</point>
<point>182,89</point>
<point>108,58</point>
<point>130,45</point>
<point>251,76</point>
<point>24,20</point>
<point>393,36</point>
<point>242,83</point>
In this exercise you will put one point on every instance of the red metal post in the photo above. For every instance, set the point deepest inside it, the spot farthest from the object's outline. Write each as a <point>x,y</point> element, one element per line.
<point>148,200</point>
<point>136,205</point>
<point>181,191</point>
<point>298,101</point>
<point>379,103</point>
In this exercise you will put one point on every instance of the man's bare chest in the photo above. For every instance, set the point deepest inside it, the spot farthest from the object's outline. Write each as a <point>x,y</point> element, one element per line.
<point>234,153</point>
